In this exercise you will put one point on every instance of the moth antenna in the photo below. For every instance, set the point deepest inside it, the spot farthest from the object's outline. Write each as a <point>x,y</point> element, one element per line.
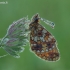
<point>48,22</point>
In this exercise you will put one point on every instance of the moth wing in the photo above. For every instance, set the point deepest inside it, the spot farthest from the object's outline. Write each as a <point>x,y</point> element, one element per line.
<point>43,44</point>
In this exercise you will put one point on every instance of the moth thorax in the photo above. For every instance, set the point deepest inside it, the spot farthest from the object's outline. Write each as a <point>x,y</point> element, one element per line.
<point>33,25</point>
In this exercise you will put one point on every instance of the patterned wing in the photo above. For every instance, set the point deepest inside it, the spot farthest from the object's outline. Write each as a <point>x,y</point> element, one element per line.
<point>43,43</point>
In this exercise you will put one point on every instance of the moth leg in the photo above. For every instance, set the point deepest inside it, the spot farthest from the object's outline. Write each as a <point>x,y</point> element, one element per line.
<point>48,22</point>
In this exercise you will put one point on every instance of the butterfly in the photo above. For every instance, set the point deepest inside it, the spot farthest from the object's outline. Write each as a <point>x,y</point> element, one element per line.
<point>42,42</point>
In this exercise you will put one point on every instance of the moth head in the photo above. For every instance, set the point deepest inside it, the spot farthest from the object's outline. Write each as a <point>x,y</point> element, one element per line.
<point>35,18</point>
<point>34,21</point>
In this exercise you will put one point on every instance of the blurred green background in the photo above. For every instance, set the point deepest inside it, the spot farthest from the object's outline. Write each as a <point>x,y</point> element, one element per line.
<point>57,11</point>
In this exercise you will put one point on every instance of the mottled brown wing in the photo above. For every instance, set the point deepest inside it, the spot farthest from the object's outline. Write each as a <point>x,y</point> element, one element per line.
<point>43,44</point>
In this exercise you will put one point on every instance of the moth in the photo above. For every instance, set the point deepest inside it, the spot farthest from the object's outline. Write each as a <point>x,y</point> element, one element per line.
<point>42,42</point>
